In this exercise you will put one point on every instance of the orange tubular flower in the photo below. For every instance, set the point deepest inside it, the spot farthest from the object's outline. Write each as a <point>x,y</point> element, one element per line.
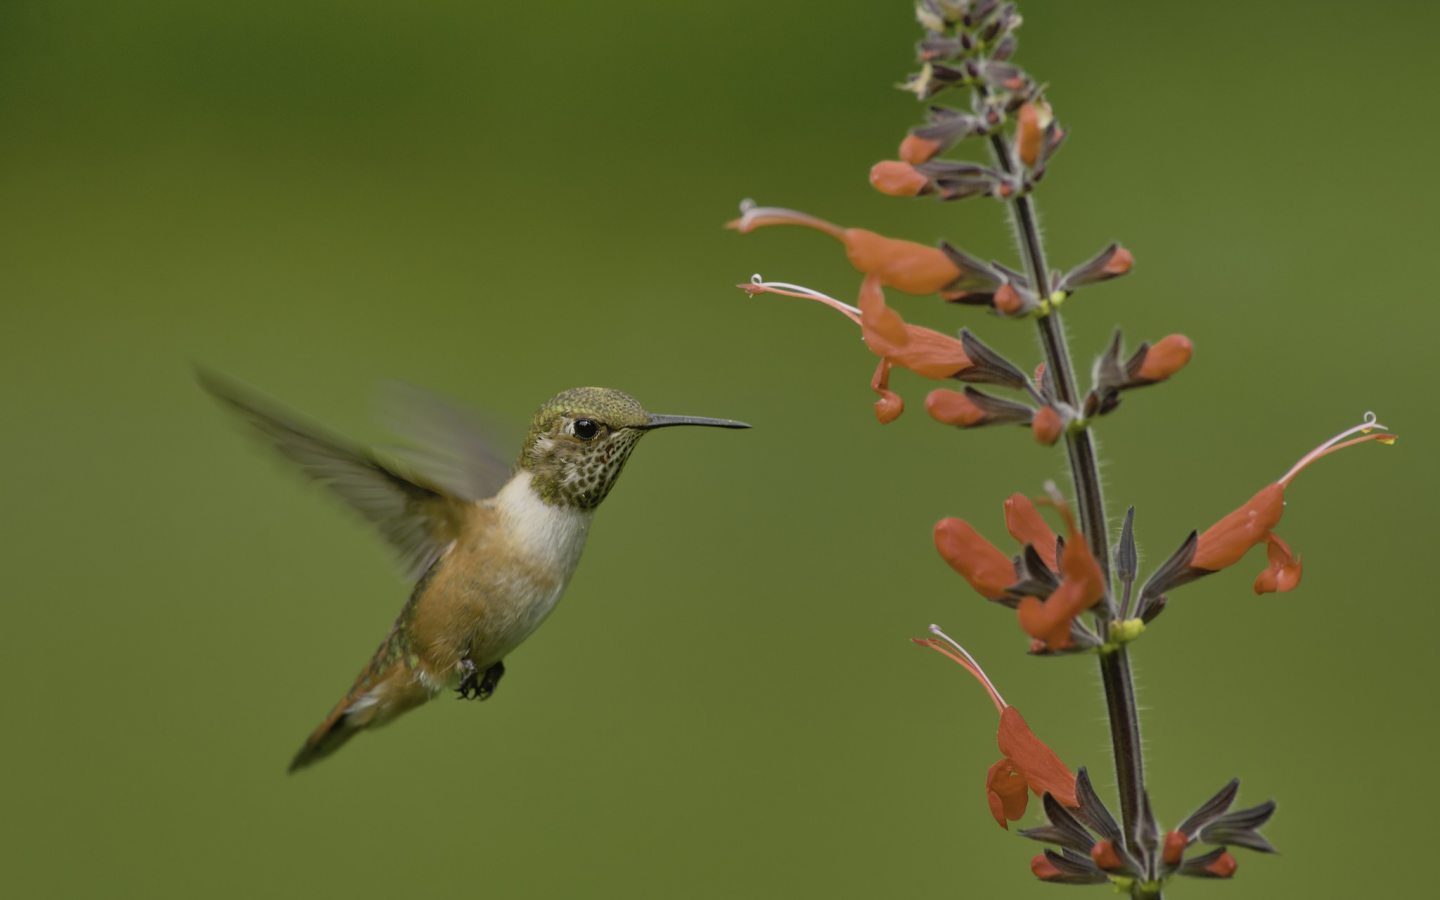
<point>1028,763</point>
<point>927,353</point>
<point>1042,868</point>
<point>1228,540</point>
<point>904,265</point>
<point>1083,587</point>
<point>899,179</point>
<point>977,560</point>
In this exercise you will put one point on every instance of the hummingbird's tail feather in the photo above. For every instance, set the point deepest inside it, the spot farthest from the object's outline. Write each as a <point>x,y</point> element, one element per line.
<point>377,698</point>
<point>390,685</point>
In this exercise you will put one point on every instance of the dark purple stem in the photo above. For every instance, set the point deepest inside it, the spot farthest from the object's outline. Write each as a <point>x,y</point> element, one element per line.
<point>1114,664</point>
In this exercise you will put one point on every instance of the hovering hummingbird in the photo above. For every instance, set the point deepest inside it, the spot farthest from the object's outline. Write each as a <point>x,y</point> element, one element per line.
<point>491,549</point>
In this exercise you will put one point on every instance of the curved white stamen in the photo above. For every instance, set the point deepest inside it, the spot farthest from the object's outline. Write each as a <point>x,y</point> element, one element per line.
<point>746,205</point>
<point>1369,424</point>
<point>990,685</point>
<point>796,290</point>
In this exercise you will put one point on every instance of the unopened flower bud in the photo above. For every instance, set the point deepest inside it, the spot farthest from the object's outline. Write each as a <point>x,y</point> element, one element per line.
<point>1223,867</point>
<point>1168,356</point>
<point>1111,262</point>
<point>898,179</point>
<point>1175,844</point>
<point>1105,856</point>
<point>953,408</point>
<point>916,149</point>
<point>1047,425</point>
<point>946,127</point>
<point>1034,118</point>
<point>1008,300</point>
<point>929,17</point>
<point>1043,869</point>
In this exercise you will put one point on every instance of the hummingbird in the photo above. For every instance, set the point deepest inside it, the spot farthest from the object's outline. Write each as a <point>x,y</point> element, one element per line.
<point>490,549</point>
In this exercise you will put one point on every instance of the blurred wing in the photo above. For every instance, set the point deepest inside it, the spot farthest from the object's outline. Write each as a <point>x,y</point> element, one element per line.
<point>447,444</point>
<point>420,521</point>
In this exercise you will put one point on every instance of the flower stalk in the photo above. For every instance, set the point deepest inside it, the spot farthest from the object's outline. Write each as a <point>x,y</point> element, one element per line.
<point>1054,579</point>
<point>1084,470</point>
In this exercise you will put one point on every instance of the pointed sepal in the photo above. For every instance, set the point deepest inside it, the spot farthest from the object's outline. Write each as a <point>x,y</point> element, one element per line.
<point>1240,828</point>
<point>1210,810</point>
<point>987,366</point>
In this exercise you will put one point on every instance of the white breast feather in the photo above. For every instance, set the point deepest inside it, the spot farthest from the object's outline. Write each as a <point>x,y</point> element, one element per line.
<point>553,536</point>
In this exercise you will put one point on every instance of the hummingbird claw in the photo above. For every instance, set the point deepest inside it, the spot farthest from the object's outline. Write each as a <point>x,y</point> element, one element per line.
<point>468,687</point>
<point>477,685</point>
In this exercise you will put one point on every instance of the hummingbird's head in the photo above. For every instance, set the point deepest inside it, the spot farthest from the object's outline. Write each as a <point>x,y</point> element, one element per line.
<point>579,441</point>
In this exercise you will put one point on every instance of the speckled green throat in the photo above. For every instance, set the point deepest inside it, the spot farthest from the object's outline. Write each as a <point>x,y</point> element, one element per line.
<point>570,470</point>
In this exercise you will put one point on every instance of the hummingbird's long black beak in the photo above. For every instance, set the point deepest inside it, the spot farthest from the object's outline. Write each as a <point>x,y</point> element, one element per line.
<point>667,421</point>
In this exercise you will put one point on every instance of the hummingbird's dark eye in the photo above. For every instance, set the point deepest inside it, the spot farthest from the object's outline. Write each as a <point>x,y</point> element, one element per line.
<point>586,429</point>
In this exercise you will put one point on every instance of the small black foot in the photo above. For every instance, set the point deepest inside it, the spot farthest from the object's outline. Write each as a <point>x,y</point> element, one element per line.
<point>477,685</point>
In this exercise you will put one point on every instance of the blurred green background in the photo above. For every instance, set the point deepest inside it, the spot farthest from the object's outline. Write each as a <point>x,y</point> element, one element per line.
<point>501,201</point>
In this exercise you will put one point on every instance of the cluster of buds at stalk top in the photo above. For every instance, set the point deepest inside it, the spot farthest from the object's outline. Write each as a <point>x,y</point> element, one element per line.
<point>969,45</point>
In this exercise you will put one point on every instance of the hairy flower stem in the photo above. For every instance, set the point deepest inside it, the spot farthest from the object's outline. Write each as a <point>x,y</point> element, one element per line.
<point>1084,469</point>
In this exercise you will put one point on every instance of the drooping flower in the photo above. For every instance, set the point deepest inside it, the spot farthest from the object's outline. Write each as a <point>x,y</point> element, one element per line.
<point>987,569</point>
<point>1023,522</point>
<point>1027,763</point>
<point>890,405</point>
<point>1049,620</point>
<point>904,265</point>
<point>1227,541</point>
<point>927,353</point>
